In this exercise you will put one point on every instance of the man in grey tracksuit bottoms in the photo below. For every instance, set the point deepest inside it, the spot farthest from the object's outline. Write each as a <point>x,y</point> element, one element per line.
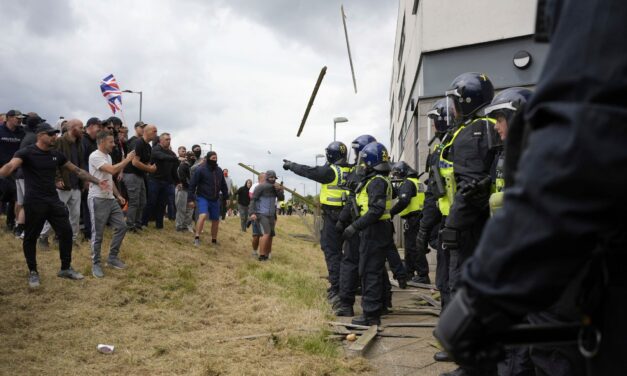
<point>103,206</point>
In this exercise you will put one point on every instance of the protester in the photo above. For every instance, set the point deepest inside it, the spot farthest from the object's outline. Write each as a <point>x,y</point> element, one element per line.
<point>41,202</point>
<point>207,184</point>
<point>243,200</point>
<point>263,211</point>
<point>139,134</point>
<point>254,224</point>
<point>11,135</point>
<point>103,206</point>
<point>229,185</point>
<point>182,153</point>
<point>160,182</point>
<point>134,174</point>
<point>184,208</point>
<point>92,127</point>
<point>67,183</point>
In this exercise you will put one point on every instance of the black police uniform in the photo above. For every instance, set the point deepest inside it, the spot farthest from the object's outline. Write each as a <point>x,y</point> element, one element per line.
<point>563,212</point>
<point>330,239</point>
<point>415,261</point>
<point>431,222</point>
<point>472,161</point>
<point>376,238</point>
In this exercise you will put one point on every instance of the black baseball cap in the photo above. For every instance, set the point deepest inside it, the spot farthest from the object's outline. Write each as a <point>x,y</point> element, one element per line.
<point>114,120</point>
<point>270,174</point>
<point>92,121</point>
<point>46,128</point>
<point>140,124</point>
<point>14,113</point>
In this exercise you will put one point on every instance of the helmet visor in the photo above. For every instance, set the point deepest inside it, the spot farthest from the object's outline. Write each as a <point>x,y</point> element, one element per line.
<point>494,139</point>
<point>454,104</point>
<point>493,109</point>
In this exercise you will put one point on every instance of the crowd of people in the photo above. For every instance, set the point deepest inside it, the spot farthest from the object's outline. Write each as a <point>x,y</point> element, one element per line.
<point>76,179</point>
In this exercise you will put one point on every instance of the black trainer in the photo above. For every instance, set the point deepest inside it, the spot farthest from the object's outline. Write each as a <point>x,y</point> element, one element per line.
<point>366,320</point>
<point>421,279</point>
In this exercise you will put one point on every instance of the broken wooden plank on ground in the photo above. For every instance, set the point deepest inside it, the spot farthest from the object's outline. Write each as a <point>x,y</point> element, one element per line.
<point>419,311</point>
<point>253,336</point>
<point>430,300</point>
<point>359,347</point>
<point>349,325</point>
<point>411,325</point>
<point>421,285</point>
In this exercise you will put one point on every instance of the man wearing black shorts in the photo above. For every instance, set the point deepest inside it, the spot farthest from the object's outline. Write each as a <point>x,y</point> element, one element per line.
<point>41,201</point>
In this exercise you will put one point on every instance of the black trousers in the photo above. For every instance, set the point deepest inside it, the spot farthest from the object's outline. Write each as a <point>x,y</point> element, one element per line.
<point>415,263</point>
<point>8,195</point>
<point>331,244</point>
<point>349,270</point>
<point>375,241</point>
<point>85,215</point>
<point>442,267</point>
<point>468,240</point>
<point>57,215</point>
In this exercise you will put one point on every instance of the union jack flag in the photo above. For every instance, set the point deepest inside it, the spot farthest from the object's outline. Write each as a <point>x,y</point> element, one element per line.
<point>111,91</point>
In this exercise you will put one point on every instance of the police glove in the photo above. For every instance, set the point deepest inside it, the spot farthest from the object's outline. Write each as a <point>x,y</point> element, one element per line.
<point>449,239</point>
<point>422,241</point>
<point>467,329</point>
<point>287,164</point>
<point>349,232</point>
<point>340,226</point>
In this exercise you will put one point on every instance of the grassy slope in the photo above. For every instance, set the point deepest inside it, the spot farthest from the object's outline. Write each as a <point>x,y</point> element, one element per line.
<point>168,312</point>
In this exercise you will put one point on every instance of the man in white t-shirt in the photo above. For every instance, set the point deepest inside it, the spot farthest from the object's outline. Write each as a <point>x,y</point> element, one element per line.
<point>255,224</point>
<point>103,206</point>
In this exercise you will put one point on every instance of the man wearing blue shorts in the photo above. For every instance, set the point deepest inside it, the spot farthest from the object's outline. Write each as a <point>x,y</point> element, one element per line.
<point>206,185</point>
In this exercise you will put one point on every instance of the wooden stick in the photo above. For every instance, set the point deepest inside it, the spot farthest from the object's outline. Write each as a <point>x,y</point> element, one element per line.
<point>323,71</point>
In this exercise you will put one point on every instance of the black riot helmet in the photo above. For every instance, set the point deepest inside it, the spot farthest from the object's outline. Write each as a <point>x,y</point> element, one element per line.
<point>440,115</point>
<point>360,142</point>
<point>503,108</point>
<point>508,102</point>
<point>336,153</point>
<point>401,170</point>
<point>468,94</point>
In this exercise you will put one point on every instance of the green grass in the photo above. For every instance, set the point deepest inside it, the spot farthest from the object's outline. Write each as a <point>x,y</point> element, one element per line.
<point>314,344</point>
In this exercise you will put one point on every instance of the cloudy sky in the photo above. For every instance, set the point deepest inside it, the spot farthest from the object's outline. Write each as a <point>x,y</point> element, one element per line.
<point>236,74</point>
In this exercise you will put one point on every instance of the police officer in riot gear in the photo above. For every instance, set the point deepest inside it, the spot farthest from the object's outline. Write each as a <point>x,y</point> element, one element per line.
<point>465,164</point>
<point>374,199</point>
<point>503,108</point>
<point>563,213</point>
<point>332,176</point>
<point>431,220</point>
<point>349,271</point>
<point>409,206</point>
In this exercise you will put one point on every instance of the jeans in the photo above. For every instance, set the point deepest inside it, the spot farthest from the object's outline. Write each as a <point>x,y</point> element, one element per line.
<point>243,216</point>
<point>183,213</point>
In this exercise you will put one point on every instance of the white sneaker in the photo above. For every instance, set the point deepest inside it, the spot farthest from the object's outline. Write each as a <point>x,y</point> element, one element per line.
<point>254,253</point>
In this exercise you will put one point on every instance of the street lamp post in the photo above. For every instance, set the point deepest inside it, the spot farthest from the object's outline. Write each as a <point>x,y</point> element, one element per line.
<point>336,120</point>
<point>318,156</point>
<point>140,100</point>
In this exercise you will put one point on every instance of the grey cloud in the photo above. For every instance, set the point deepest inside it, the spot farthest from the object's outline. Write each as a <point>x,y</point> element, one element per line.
<point>41,18</point>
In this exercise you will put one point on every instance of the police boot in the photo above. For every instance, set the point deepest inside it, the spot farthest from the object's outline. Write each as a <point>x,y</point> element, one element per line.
<point>344,310</point>
<point>366,320</point>
<point>442,356</point>
<point>421,279</point>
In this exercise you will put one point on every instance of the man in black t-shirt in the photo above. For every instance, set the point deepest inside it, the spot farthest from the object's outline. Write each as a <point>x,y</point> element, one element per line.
<point>134,175</point>
<point>41,201</point>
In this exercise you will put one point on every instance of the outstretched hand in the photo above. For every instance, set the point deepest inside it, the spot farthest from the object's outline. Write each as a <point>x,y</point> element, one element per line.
<point>287,164</point>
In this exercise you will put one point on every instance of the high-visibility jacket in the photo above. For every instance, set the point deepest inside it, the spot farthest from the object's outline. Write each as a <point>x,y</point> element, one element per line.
<point>417,202</point>
<point>362,197</point>
<point>331,193</point>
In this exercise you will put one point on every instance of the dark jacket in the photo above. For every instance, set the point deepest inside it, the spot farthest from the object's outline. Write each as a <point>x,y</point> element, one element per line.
<point>243,197</point>
<point>184,173</point>
<point>89,146</point>
<point>167,164</point>
<point>64,146</point>
<point>9,142</point>
<point>208,183</point>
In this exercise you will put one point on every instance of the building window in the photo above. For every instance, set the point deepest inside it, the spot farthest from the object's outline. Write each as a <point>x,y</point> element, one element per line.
<point>392,112</point>
<point>401,44</point>
<point>401,90</point>
<point>401,136</point>
<point>414,9</point>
